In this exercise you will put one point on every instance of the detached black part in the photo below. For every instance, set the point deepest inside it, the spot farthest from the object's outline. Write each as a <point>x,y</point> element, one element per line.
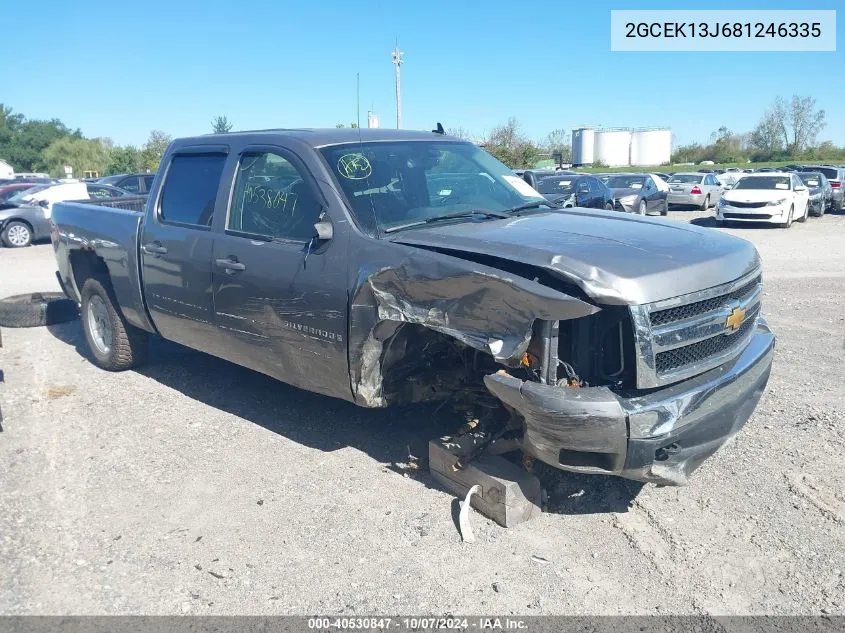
<point>659,437</point>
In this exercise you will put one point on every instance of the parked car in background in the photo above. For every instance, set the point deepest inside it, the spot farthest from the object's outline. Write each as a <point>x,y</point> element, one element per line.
<point>773,197</point>
<point>575,190</point>
<point>45,195</point>
<point>636,193</point>
<point>663,175</point>
<point>97,190</point>
<point>133,183</point>
<point>821,193</point>
<point>694,189</point>
<point>32,175</point>
<point>836,177</point>
<point>11,189</point>
<point>533,176</point>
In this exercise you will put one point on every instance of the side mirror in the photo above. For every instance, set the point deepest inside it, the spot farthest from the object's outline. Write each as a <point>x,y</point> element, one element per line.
<point>44,203</point>
<point>324,230</point>
<point>801,188</point>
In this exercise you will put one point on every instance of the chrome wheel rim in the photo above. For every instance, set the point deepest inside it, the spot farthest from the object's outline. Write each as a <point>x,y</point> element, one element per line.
<point>18,235</point>
<point>99,324</point>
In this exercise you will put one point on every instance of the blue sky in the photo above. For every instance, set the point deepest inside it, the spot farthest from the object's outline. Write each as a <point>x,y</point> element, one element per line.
<point>120,70</point>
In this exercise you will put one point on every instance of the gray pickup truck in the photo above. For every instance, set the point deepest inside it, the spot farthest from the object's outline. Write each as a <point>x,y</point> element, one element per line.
<point>387,267</point>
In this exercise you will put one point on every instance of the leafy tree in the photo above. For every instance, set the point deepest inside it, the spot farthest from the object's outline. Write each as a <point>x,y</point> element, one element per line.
<point>220,125</point>
<point>154,149</point>
<point>80,154</point>
<point>459,132</point>
<point>123,160</point>
<point>767,139</point>
<point>803,124</point>
<point>558,141</point>
<point>22,142</point>
<point>508,144</point>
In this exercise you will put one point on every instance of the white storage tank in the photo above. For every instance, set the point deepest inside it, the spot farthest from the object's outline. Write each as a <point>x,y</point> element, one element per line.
<point>613,147</point>
<point>651,146</point>
<point>583,146</point>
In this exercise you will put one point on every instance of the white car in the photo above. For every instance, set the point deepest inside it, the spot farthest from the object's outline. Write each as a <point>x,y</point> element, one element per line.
<point>46,195</point>
<point>772,197</point>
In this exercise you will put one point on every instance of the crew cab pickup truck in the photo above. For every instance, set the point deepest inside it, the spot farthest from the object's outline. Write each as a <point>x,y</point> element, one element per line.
<point>386,267</point>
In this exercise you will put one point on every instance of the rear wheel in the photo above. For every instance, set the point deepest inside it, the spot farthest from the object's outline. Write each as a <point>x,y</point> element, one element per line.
<point>17,235</point>
<point>706,204</point>
<point>114,344</point>
<point>608,206</point>
<point>665,209</point>
<point>642,208</point>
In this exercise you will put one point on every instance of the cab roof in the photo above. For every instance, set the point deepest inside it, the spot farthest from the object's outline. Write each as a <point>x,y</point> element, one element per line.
<point>320,137</point>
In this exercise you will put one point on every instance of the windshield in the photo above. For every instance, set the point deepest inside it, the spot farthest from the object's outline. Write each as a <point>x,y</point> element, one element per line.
<point>556,184</point>
<point>18,198</point>
<point>389,184</point>
<point>811,180</point>
<point>624,182</point>
<point>687,178</point>
<point>763,182</point>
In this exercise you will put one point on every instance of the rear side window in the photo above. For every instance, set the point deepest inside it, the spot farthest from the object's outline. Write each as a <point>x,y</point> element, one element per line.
<point>130,184</point>
<point>190,189</point>
<point>148,182</point>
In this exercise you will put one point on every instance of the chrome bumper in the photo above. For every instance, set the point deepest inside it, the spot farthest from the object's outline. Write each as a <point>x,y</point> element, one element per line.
<point>660,437</point>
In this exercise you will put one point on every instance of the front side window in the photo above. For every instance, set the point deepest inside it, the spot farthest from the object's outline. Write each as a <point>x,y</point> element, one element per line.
<point>148,182</point>
<point>390,184</point>
<point>130,184</point>
<point>272,199</point>
<point>190,188</point>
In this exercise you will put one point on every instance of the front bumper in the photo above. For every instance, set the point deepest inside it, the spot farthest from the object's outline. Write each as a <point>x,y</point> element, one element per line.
<point>772,215</point>
<point>660,436</point>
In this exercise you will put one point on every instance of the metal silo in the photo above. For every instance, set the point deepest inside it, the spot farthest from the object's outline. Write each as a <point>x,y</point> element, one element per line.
<point>651,146</point>
<point>613,147</point>
<point>583,146</point>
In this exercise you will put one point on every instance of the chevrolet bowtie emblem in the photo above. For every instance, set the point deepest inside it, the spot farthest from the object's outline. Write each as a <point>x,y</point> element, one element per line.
<point>735,319</point>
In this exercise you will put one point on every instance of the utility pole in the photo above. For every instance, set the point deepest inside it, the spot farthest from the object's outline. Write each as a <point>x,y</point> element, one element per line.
<point>397,61</point>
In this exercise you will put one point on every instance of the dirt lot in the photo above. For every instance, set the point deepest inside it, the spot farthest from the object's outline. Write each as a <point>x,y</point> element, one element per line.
<point>195,486</point>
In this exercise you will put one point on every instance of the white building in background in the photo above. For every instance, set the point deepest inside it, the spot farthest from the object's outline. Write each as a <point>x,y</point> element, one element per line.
<point>372,119</point>
<point>621,147</point>
<point>583,146</point>
<point>6,170</point>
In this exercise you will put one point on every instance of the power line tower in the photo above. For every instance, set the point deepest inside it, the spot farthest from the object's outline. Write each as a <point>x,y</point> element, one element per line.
<point>397,61</point>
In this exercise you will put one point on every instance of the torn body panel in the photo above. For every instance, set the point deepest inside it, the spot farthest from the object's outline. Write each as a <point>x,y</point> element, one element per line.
<point>481,307</point>
<point>661,436</point>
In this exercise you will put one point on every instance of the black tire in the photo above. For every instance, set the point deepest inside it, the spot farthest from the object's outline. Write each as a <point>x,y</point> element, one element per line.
<point>608,206</point>
<point>36,309</point>
<point>788,223</point>
<point>706,204</point>
<point>12,232</point>
<point>126,345</point>
<point>643,208</point>
<point>665,210</point>
<point>806,213</point>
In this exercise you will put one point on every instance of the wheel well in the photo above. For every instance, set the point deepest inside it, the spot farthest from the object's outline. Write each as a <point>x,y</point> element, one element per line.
<point>84,265</point>
<point>21,221</point>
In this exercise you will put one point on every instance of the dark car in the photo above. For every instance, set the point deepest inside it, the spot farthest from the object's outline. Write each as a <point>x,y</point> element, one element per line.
<point>133,183</point>
<point>533,176</point>
<point>99,190</point>
<point>20,225</point>
<point>836,177</point>
<point>663,175</point>
<point>636,193</point>
<point>821,193</point>
<point>575,190</point>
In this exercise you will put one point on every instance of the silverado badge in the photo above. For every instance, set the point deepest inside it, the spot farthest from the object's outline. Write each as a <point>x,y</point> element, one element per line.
<point>735,319</point>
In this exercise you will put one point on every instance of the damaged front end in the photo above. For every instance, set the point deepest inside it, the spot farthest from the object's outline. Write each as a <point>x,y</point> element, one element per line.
<point>541,368</point>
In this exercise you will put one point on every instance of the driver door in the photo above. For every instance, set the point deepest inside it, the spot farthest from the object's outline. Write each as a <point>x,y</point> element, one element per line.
<point>279,296</point>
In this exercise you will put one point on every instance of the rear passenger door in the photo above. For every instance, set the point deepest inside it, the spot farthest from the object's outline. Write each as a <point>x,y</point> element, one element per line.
<point>280,299</point>
<point>131,184</point>
<point>176,248</point>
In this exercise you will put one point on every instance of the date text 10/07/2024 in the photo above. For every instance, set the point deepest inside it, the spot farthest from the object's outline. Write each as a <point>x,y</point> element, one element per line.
<point>417,623</point>
<point>725,29</point>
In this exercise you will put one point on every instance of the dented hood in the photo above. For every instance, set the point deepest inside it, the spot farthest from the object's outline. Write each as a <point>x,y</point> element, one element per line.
<point>616,259</point>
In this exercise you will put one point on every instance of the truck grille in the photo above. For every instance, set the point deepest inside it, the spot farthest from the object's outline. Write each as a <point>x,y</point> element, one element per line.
<point>689,335</point>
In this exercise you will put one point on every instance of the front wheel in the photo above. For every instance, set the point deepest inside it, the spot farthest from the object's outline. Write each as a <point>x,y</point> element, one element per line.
<point>608,206</point>
<point>803,218</point>
<point>642,209</point>
<point>665,209</point>
<point>788,222</point>
<point>114,344</point>
<point>17,235</point>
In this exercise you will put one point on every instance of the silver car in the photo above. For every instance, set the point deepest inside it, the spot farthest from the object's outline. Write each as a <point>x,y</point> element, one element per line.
<point>696,189</point>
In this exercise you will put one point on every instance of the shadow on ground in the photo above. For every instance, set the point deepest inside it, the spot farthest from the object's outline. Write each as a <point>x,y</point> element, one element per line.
<point>328,424</point>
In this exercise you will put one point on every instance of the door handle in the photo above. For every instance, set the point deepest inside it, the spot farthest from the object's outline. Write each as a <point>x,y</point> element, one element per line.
<point>154,249</point>
<point>230,264</point>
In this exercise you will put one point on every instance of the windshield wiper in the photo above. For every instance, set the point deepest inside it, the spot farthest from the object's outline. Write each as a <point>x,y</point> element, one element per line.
<point>531,205</point>
<point>450,216</point>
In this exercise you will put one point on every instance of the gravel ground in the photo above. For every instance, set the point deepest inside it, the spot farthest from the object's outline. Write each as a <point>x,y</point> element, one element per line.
<point>195,486</point>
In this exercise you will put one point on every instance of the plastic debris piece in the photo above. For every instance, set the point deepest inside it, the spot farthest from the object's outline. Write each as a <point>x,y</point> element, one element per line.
<point>463,519</point>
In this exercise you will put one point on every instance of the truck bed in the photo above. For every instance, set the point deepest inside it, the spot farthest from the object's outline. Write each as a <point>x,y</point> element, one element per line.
<point>102,234</point>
